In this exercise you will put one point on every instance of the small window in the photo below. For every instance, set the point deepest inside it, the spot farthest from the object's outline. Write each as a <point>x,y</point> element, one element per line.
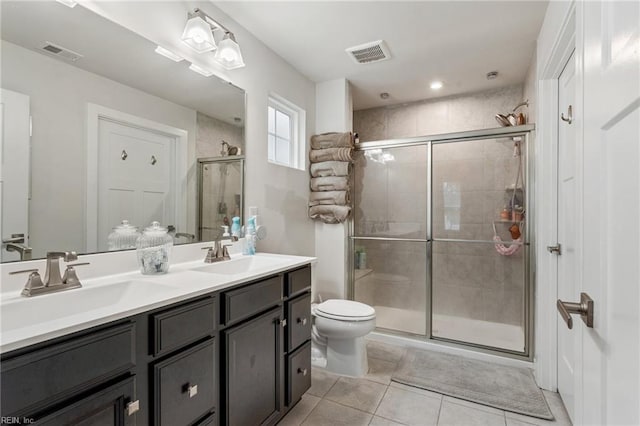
<point>286,135</point>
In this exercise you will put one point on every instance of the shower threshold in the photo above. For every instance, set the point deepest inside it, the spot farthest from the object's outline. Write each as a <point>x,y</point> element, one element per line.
<point>465,330</point>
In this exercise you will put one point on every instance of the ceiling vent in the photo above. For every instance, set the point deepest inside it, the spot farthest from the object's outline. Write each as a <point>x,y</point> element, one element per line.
<point>367,53</point>
<point>61,52</point>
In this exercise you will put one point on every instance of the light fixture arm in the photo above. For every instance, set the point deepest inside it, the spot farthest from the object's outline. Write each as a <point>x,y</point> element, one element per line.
<point>215,25</point>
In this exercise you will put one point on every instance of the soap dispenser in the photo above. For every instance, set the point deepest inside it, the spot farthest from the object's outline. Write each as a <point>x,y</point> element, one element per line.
<point>235,228</point>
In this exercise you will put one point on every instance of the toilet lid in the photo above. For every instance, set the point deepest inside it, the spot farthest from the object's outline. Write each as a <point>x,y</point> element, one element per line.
<point>345,309</point>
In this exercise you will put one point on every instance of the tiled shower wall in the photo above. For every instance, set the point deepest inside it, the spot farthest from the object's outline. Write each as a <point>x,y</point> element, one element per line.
<point>433,116</point>
<point>469,280</point>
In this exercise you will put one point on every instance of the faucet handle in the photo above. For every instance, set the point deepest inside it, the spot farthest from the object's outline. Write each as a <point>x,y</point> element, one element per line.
<point>70,276</point>
<point>33,282</point>
<point>210,254</point>
<point>225,252</point>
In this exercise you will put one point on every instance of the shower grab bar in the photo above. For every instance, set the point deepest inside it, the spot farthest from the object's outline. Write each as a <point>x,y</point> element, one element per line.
<point>454,240</point>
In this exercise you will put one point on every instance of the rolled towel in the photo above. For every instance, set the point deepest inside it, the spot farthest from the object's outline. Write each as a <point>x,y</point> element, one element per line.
<point>331,140</point>
<point>330,154</point>
<point>329,168</point>
<point>339,198</point>
<point>329,213</point>
<point>329,183</point>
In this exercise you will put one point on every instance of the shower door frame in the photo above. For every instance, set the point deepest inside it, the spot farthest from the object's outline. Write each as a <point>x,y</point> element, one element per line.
<point>203,161</point>
<point>522,131</point>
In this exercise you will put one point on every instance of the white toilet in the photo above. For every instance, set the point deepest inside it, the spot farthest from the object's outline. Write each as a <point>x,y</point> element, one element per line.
<point>339,330</point>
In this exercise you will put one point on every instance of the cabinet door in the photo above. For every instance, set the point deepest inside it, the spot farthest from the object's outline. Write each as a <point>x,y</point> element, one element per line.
<point>103,408</point>
<point>254,370</point>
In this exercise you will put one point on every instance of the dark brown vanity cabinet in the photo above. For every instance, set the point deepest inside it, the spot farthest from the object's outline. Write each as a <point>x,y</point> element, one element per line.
<point>240,356</point>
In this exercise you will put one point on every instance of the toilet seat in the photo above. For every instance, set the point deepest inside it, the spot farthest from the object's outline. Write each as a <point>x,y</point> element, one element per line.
<point>345,310</point>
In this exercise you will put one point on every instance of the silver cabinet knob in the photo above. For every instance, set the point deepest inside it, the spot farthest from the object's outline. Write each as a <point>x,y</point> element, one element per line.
<point>302,371</point>
<point>302,321</point>
<point>283,322</point>
<point>192,390</point>
<point>133,407</point>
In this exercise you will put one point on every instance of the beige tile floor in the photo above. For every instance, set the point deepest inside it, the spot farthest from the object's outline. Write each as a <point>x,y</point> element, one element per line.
<point>375,400</point>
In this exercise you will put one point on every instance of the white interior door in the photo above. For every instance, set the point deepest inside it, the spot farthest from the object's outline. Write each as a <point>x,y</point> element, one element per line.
<point>15,166</point>
<point>566,255</point>
<point>136,177</point>
<point>610,375</point>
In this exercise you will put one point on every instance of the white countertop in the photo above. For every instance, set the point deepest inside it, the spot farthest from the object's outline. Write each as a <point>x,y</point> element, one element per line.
<point>26,321</point>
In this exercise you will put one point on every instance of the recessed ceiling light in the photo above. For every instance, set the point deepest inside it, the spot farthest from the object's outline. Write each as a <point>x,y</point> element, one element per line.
<point>435,85</point>
<point>492,75</point>
<point>70,3</point>
<point>168,54</point>
<point>200,70</point>
<point>384,95</point>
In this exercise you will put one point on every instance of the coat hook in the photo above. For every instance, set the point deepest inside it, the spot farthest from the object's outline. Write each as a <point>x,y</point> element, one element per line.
<point>124,155</point>
<point>569,117</point>
<point>153,160</point>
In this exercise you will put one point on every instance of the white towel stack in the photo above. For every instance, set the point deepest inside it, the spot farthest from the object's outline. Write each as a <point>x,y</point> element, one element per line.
<point>331,158</point>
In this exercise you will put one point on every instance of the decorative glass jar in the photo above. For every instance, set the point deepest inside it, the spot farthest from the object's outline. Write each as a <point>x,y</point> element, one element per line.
<point>123,236</point>
<point>154,249</point>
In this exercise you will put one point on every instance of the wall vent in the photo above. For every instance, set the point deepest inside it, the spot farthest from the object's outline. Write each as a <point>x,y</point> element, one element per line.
<point>367,53</point>
<point>61,52</point>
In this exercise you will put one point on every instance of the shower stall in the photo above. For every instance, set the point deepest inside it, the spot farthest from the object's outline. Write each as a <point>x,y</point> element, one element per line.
<point>440,237</point>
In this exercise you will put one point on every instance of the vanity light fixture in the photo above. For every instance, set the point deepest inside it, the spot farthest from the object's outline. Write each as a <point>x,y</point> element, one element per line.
<point>228,53</point>
<point>200,70</point>
<point>435,85</point>
<point>69,3</point>
<point>198,34</point>
<point>168,54</point>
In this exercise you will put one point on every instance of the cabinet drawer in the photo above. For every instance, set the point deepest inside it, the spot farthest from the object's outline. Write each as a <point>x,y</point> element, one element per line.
<point>184,386</point>
<point>180,326</point>
<point>298,373</point>
<point>106,407</point>
<point>251,299</point>
<point>298,280</point>
<point>51,374</point>
<point>298,321</point>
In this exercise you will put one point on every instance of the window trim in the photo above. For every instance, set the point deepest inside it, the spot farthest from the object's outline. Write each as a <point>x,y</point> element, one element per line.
<point>297,121</point>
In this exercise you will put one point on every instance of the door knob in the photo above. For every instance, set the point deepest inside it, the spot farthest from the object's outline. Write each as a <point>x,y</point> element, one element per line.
<point>584,309</point>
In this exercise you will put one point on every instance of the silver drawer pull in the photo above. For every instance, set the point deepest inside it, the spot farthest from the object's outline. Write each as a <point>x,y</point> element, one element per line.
<point>192,390</point>
<point>303,371</point>
<point>283,322</point>
<point>302,321</point>
<point>133,407</point>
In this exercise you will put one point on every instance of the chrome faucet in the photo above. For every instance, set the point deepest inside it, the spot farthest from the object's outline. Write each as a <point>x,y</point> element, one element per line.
<point>53,280</point>
<point>217,253</point>
<point>21,249</point>
<point>16,244</point>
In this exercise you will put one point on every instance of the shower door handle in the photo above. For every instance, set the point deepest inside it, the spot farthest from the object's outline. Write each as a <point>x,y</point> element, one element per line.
<point>584,309</point>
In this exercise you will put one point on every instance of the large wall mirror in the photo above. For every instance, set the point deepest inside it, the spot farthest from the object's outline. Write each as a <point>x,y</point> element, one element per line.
<point>98,128</point>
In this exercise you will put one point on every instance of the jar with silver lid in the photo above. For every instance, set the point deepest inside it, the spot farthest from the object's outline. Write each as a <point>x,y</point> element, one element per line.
<point>123,236</point>
<point>154,249</point>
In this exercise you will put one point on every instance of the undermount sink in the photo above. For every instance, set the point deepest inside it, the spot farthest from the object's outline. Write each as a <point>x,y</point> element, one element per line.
<point>25,312</point>
<point>241,265</point>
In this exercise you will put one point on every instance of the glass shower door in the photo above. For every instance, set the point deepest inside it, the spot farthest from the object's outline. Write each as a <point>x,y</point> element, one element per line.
<point>478,285</point>
<point>389,243</point>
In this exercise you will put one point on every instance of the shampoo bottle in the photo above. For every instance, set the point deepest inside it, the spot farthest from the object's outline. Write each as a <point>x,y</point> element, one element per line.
<point>235,228</point>
<point>250,237</point>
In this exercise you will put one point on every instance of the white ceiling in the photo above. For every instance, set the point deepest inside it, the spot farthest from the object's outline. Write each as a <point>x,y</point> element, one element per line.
<point>457,42</point>
<point>119,54</point>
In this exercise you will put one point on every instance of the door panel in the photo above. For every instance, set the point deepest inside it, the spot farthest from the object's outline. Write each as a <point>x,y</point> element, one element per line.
<point>14,170</point>
<point>610,382</point>
<point>136,177</point>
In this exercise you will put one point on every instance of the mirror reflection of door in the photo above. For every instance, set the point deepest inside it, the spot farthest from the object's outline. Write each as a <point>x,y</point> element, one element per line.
<point>14,170</point>
<point>136,177</point>
<point>220,195</point>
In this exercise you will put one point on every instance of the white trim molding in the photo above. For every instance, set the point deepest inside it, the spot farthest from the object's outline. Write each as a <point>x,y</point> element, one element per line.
<point>556,43</point>
<point>95,113</point>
